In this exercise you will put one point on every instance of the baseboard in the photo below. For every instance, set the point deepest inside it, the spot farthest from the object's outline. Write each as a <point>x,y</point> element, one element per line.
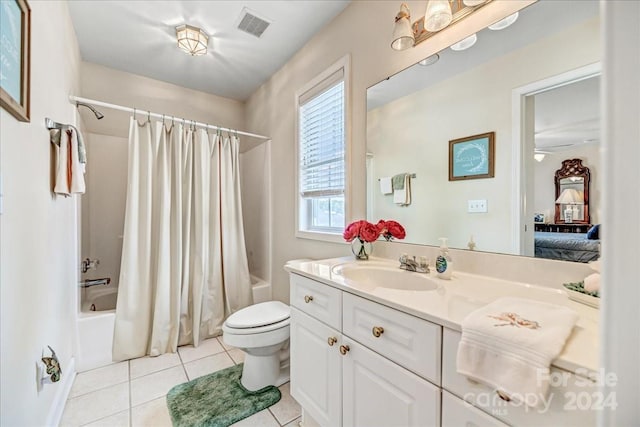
<point>60,399</point>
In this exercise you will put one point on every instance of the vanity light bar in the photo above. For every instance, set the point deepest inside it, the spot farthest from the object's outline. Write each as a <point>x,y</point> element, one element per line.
<point>459,11</point>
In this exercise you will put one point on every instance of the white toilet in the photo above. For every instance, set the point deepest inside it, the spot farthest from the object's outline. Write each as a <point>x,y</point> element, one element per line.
<point>262,332</point>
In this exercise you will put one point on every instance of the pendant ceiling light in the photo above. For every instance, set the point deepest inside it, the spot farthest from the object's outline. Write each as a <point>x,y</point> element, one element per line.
<point>192,40</point>
<point>438,15</point>
<point>402,33</point>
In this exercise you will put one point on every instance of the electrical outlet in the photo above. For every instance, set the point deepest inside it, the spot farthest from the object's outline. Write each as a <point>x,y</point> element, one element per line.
<point>477,206</point>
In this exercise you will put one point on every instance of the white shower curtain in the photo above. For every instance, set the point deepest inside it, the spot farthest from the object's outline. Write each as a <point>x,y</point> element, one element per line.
<point>184,266</point>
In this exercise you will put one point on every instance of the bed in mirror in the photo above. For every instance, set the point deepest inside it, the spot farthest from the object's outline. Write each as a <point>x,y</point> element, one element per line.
<point>537,91</point>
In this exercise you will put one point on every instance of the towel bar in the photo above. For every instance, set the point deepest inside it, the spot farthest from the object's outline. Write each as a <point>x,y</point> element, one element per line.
<point>411,175</point>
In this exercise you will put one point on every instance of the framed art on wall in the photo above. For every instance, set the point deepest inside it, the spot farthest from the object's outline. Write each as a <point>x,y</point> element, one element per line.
<point>472,157</point>
<point>15,46</point>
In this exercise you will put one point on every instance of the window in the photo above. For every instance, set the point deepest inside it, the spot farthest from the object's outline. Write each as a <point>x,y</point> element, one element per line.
<point>322,148</point>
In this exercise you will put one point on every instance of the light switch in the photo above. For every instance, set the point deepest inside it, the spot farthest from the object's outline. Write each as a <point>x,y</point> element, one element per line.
<point>477,206</point>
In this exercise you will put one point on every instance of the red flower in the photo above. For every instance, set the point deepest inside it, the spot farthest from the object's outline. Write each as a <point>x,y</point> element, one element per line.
<point>391,229</point>
<point>352,231</point>
<point>369,232</point>
<point>395,229</point>
<point>363,230</point>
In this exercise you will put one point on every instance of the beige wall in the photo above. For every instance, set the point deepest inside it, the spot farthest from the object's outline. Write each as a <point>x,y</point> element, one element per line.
<point>255,166</point>
<point>362,30</point>
<point>38,231</point>
<point>406,136</point>
<point>144,93</point>
<point>103,205</point>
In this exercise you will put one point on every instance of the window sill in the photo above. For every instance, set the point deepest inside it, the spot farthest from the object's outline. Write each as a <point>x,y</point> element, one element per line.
<point>321,236</point>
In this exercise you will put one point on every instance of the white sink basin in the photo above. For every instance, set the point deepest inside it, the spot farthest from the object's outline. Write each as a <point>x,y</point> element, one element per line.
<point>377,275</point>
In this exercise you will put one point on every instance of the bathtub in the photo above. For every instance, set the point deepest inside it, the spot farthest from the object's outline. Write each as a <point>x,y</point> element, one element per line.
<point>95,327</point>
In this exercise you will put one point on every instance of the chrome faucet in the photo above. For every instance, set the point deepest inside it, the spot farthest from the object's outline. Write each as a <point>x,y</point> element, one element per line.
<point>410,264</point>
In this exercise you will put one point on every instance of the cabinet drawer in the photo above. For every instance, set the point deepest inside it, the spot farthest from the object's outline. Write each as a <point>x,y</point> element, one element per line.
<point>563,400</point>
<point>458,413</point>
<point>407,340</point>
<point>317,300</point>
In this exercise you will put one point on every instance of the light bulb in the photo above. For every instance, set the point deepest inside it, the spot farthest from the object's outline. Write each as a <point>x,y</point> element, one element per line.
<point>472,3</point>
<point>402,32</point>
<point>438,15</point>
<point>504,23</point>
<point>465,43</point>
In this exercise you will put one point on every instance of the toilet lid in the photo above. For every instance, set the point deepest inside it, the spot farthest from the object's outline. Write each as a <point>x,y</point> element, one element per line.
<point>265,313</point>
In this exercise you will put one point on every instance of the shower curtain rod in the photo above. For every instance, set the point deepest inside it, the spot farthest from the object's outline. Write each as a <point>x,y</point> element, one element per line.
<point>96,103</point>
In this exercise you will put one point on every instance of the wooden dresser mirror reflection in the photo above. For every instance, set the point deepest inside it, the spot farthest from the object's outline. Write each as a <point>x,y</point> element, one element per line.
<point>572,193</point>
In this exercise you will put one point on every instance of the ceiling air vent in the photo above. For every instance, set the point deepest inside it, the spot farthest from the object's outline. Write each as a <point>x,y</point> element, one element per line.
<point>250,23</point>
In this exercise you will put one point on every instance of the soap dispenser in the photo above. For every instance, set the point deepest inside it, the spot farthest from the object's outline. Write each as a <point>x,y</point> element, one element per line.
<point>444,263</point>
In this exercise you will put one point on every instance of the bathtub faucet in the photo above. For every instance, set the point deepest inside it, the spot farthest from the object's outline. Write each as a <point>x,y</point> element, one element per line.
<point>95,282</point>
<point>89,264</point>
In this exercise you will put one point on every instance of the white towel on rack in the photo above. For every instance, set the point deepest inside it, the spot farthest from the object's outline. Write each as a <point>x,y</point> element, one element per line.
<point>77,168</point>
<point>385,185</point>
<point>63,179</point>
<point>509,345</point>
<point>69,170</point>
<point>402,196</point>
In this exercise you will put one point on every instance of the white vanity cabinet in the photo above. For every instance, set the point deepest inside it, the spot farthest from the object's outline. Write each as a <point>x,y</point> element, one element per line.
<point>358,363</point>
<point>339,381</point>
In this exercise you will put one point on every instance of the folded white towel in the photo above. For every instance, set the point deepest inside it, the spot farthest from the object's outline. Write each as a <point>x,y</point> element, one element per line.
<point>402,196</point>
<point>385,185</point>
<point>510,343</point>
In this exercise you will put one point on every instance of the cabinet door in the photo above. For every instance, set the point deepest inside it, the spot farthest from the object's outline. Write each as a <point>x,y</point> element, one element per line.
<point>377,392</point>
<point>316,373</point>
<point>458,413</point>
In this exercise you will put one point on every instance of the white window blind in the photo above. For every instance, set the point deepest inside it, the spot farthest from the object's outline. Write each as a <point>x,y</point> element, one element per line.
<point>322,139</point>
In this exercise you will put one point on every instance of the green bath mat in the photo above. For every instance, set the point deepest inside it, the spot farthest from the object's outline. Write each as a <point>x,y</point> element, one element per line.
<point>217,400</point>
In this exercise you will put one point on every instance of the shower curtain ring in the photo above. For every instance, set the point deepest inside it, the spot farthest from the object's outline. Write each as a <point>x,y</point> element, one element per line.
<point>148,116</point>
<point>134,113</point>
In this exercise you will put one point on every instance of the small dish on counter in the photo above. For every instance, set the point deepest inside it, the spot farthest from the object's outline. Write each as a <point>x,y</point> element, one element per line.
<point>576,292</point>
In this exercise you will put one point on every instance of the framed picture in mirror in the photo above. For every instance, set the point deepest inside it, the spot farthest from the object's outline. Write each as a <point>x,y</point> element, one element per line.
<point>472,157</point>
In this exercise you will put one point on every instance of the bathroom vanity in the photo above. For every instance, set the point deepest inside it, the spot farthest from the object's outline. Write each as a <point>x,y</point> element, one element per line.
<point>373,345</point>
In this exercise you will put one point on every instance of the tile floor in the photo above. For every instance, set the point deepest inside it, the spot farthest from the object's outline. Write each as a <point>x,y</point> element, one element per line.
<point>132,393</point>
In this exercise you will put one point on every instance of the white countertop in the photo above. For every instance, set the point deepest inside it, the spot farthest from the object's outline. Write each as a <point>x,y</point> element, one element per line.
<point>456,298</point>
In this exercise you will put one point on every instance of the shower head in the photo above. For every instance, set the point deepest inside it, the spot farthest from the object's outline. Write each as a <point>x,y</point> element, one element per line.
<point>98,114</point>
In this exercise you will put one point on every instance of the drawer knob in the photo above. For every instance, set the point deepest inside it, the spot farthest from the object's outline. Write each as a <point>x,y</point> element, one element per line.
<point>377,331</point>
<point>308,298</point>
<point>502,395</point>
<point>344,349</point>
<point>331,341</point>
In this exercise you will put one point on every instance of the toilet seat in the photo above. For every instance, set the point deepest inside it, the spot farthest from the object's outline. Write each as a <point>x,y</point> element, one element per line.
<point>258,318</point>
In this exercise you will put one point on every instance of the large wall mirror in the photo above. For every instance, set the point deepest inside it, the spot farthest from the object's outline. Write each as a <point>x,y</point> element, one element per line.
<point>535,85</point>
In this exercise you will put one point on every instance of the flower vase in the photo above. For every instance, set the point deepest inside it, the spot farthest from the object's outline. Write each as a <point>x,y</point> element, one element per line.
<point>361,249</point>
